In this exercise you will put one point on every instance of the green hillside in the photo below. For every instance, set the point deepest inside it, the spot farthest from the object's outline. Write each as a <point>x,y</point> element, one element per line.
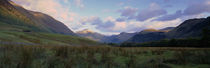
<point>15,18</point>
<point>11,19</point>
<point>37,38</point>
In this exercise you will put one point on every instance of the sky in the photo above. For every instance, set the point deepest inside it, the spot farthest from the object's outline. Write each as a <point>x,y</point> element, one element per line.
<point>115,16</point>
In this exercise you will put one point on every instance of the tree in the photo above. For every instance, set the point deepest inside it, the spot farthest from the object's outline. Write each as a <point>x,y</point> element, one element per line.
<point>206,37</point>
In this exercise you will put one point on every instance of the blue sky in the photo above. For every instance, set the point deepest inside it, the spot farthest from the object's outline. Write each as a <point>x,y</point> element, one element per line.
<point>115,16</point>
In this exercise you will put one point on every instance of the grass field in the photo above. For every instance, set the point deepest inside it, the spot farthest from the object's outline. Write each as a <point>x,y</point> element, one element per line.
<point>40,38</point>
<point>20,56</point>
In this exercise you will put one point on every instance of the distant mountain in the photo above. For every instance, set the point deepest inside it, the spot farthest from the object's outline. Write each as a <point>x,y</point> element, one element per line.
<point>91,35</point>
<point>147,35</point>
<point>119,38</point>
<point>188,29</point>
<point>16,18</point>
<point>167,29</point>
<point>103,38</point>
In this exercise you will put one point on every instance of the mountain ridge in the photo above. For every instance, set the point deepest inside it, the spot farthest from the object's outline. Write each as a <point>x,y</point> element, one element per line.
<point>16,15</point>
<point>91,35</point>
<point>191,28</point>
<point>123,36</point>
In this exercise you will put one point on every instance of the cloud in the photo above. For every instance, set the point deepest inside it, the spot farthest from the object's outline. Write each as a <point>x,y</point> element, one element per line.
<point>108,25</point>
<point>197,8</point>
<point>193,10</point>
<point>98,23</point>
<point>163,24</point>
<point>154,10</point>
<point>79,3</point>
<point>120,19</point>
<point>128,11</point>
<point>169,17</point>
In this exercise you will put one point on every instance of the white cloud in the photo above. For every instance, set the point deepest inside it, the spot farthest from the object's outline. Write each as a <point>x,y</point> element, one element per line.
<point>163,24</point>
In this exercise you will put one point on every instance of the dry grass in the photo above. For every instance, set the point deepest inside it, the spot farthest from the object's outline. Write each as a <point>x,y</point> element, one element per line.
<point>13,56</point>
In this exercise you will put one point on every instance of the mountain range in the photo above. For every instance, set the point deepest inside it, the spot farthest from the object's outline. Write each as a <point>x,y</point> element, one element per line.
<point>19,26</point>
<point>191,28</point>
<point>122,37</point>
<point>91,35</point>
<point>104,38</point>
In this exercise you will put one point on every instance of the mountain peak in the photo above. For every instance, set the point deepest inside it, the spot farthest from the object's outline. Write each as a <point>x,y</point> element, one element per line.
<point>150,30</point>
<point>167,29</point>
<point>123,33</point>
<point>85,31</point>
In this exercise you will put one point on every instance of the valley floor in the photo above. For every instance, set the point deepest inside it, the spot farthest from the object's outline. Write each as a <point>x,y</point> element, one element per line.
<point>19,56</point>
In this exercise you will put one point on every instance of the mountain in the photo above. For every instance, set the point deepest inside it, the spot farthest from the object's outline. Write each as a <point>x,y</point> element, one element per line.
<point>167,29</point>
<point>119,38</point>
<point>147,35</point>
<point>19,26</point>
<point>191,28</point>
<point>91,35</point>
<point>16,18</point>
<point>103,38</point>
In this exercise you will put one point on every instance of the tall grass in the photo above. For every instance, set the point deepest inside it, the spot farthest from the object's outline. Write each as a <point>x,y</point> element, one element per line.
<point>12,56</point>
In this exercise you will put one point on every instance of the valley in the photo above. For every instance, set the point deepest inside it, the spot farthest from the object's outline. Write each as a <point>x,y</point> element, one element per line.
<point>32,39</point>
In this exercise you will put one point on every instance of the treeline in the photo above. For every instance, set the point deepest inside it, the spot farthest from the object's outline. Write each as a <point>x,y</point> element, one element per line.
<point>204,41</point>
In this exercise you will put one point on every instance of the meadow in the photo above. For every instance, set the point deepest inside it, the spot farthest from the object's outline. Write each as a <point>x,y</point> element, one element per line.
<point>32,56</point>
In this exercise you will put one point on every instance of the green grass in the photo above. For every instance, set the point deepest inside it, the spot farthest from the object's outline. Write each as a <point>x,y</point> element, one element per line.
<point>19,56</point>
<point>38,38</point>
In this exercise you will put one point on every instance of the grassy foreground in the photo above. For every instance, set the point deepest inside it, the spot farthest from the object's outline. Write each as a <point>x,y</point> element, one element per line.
<point>19,56</point>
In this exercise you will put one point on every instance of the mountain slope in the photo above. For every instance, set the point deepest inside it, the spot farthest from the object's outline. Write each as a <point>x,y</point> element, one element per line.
<point>91,35</point>
<point>189,29</point>
<point>103,38</point>
<point>167,29</point>
<point>147,36</point>
<point>40,38</point>
<point>20,19</point>
<point>122,37</point>
<point>19,26</point>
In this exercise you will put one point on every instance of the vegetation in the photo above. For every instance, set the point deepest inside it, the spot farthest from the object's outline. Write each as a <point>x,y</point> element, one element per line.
<point>20,56</point>
<point>39,38</point>
<point>25,44</point>
<point>11,19</point>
